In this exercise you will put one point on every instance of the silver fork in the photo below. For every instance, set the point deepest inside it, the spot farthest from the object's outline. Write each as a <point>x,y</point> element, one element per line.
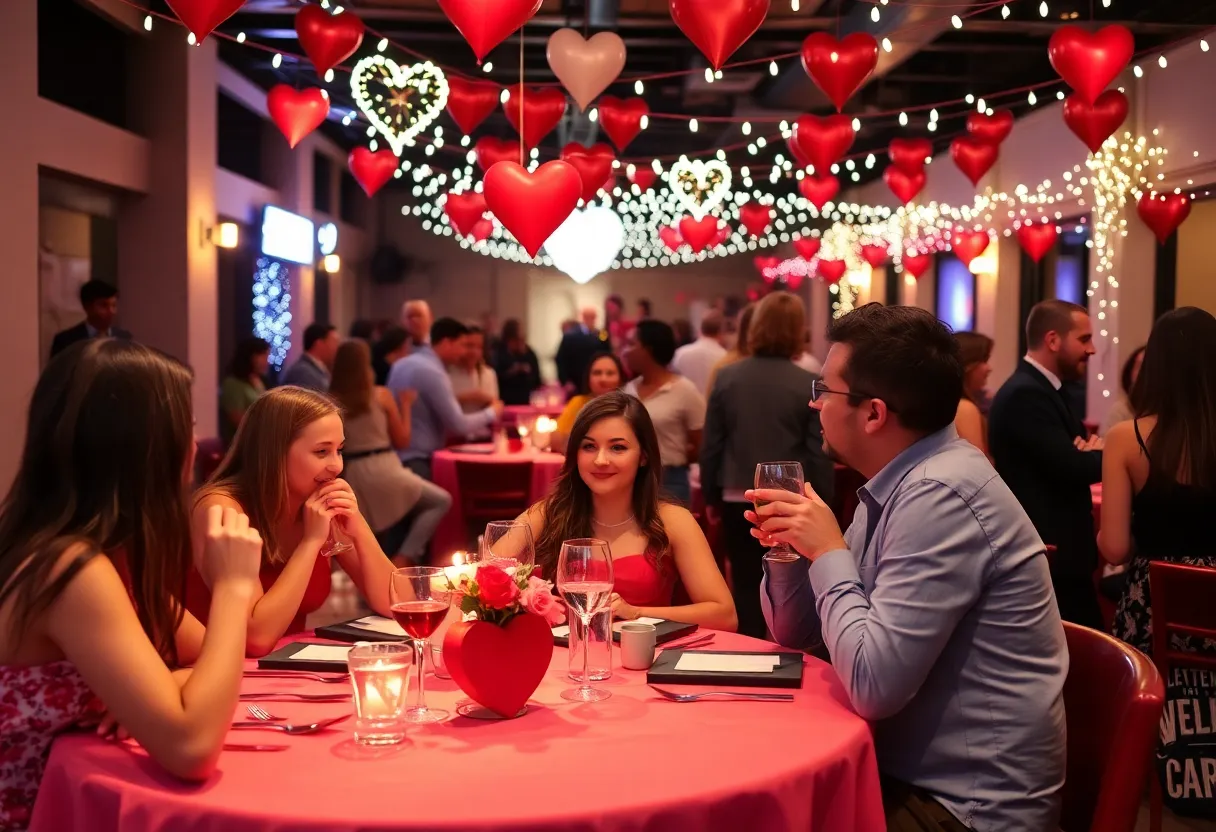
<point>293,730</point>
<point>265,716</point>
<point>339,679</point>
<point>751,697</point>
<point>292,695</point>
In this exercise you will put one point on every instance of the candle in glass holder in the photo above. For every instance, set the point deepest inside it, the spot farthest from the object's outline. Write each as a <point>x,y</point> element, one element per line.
<point>379,674</point>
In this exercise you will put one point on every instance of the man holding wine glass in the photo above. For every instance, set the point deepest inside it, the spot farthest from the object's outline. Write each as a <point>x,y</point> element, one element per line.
<point>936,606</point>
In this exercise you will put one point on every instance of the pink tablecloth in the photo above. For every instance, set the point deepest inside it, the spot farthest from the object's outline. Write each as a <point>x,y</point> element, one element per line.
<point>631,763</point>
<point>451,534</point>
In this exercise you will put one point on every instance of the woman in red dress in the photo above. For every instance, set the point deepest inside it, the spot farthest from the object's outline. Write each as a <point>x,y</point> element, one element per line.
<point>282,470</point>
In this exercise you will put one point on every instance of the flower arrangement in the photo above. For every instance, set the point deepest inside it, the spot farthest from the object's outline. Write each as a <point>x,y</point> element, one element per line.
<point>497,592</point>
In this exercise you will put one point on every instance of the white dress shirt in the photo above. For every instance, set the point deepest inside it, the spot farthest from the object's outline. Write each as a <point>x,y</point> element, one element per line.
<point>695,361</point>
<point>1052,377</point>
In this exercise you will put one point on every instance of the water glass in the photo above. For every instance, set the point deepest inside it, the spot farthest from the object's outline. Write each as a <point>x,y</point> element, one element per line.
<point>380,674</point>
<point>505,541</point>
<point>584,579</point>
<point>782,476</point>
<point>599,647</point>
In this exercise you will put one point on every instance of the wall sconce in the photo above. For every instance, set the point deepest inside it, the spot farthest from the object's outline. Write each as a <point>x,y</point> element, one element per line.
<point>225,235</point>
<point>331,263</point>
<point>986,263</point>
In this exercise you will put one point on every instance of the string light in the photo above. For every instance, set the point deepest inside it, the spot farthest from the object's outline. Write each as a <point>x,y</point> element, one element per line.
<point>1032,99</point>
<point>383,44</point>
<point>148,23</point>
<point>1137,71</point>
<point>772,69</point>
<point>1161,62</point>
<point>874,15</point>
<point>488,66</point>
<point>1043,9</point>
<point>692,125</point>
<point>192,40</point>
<point>747,128</point>
<point>956,21</point>
<point>240,37</point>
<point>886,45</point>
<point>1005,12</point>
<point>277,60</point>
<point>709,75</point>
<point>903,119</point>
<point>638,89</point>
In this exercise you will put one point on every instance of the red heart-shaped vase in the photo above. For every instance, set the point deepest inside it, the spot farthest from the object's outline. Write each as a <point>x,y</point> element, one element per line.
<point>372,170</point>
<point>973,156</point>
<point>699,233</point>
<point>839,67</point>
<point>644,177</point>
<point>718,27</point>
<point>328,39</point>
<point>622,119</point>
<point>993,129</point>
<point>832,270</point>
<point>1163,213</point>
<point>876,256</point>
<point>755,218</point>
<point>670,235</point>
<point>296,112</point>
<point>470,101</point>
<point>464,211</point>
<point>202,16</point>
<point>819,190</point>
<point>1089,62</point>
<point>821,141</point>
<point>969,245</point>
<point>532,205</point>
<point>909,155</point>
<point>499,667</point>
<point>482,229</point>
<point>487,23</point>
<point>904,185</point>
<point>490,151</point>
<point>807,247</point>
<point>594,165</point>
<point>1036,239</point>
<point>543,108</point>
<point>917,264</point>
<point>1094,124</point>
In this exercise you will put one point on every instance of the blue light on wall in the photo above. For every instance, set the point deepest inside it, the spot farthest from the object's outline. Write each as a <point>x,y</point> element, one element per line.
<point>272,308</point>
<point>955,293</point>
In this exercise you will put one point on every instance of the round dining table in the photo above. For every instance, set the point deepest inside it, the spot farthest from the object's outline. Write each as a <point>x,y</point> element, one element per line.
<point>630,763</point>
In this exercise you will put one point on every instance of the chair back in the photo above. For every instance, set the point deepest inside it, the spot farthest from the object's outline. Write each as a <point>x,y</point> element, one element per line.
<point>1182,605</point>
<point>1112,700</point>
<point>493,490</point>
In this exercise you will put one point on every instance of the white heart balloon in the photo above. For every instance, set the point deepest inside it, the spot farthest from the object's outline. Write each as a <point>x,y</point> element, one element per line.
<point>699,186</point>
<point>587,242</point>
<point>399,101</point>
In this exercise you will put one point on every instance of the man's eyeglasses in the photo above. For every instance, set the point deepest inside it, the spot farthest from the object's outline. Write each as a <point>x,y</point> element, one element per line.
<point>818,389</point>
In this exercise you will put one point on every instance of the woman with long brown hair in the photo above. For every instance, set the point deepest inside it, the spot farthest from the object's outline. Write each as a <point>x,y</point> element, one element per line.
<point>975,351</point>
<point>94,551</point>
<point>282,470</point>
<point>609,488</point>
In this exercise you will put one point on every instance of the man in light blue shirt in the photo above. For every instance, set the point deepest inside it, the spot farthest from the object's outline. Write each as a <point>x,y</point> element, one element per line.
<point>936,606</point>
<point>436,412</point>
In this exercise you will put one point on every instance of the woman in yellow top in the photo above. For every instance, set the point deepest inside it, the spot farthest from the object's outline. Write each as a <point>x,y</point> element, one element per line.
<point>605,373</point>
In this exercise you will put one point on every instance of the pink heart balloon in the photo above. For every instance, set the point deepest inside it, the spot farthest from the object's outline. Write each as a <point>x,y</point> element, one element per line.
<point>585,67</point>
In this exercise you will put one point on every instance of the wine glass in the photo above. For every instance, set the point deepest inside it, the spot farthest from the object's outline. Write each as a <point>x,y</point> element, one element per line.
<point>419,597</point>
<point>584,579</point>
<point>506,543</point>
<point>334,545</point>
<point>783,476</point>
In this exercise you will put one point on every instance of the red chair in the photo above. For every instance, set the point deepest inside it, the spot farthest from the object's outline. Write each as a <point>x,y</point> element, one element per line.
<point>1112,698</point>
<point>210,455</point>
<point>493,490</point>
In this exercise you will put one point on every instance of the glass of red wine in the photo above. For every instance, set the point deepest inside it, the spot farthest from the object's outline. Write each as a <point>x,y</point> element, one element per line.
<point>419,597</point>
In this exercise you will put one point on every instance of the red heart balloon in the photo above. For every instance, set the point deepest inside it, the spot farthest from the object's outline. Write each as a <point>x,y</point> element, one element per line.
<point>973,157</point>
<point>807,247</point>
<point>372,170</point>
<point>487,23</point>
<point>909,155</point>
<point>1094,124</point>
<point>793,280</point>
<point>917,264</point>
<point>1089,62</point>
<point>969,245</point>
<point>464,211</point>
<point>594,165</point>
<point>1163,214</point>
<point>202,16</point>
<point>753,294</point>
<point>622,120</point>
<point>296,112</point>
<point>993,129</point>
<point>839,68</point>
<point>490,151</point>
<point>482,229</point>
<point>532,205</point>
<point>755,218</point>
<point>876,256</point>
<point>543,108</point>
<point>699,233</point>
<point>328,39</point>
<point>499,667</point>
<point>819,190</point>
<point>904,185</point>
<point>821,141</point>
<point>718,27</point>
<point>832,270</point>
<point>643,177</point>
<point>1036,239</point>
<point>767,266</point>
<point>723,234</point>
<point>470,101</point>
<point>671,237</point>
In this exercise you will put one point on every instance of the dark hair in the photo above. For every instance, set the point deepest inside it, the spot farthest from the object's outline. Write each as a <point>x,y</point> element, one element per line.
<point>658,338</point>
<point>511,330</point>
<point>241,365</point>
<point>447,329</point>
<point>95,290</point>
<point>906,357</point>
<point>711,324</point>
<point>644,305</point>
<point>568,508</point>
<point>353,380</point>
<point>777,326</point>
<point>614,299</point>
<point>392,339</point>
<point>103,470</point>
<point>743,330</point>
<point>1050,316</point>
<point>316,332</point>
<point>362,328</point>
<point>973,348</point>
<point>1177,384</point>
<point>1125,378</point>
<point>620,368</point>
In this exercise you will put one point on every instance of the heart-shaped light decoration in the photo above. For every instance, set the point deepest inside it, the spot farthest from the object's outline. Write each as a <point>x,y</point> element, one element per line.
<point>1094,124</point>
<point>807,247</point>
<point>328,39</point>
<point>699,186</point>
<point>1163,213</point>
<point>1036,239</point>
<point>296,112</point>
<point>585,67</point>
<point>399,101</point>
<point>1089,62</point>
<point>839,67</point>
<point>587,243</point>
<point>532,204</point>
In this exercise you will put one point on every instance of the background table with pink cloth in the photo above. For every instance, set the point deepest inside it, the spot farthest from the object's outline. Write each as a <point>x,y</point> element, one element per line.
<point>451,534</point>
<point>633,762</point>
<point>518,414</point>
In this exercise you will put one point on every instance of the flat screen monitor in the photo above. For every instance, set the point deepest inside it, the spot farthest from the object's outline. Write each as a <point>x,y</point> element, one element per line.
<point>288,237</point>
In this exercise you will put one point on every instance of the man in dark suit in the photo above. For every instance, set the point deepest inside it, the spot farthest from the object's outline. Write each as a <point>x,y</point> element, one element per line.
<point>100,302</point>
<point>1040,448</point>
<point>580,344</point>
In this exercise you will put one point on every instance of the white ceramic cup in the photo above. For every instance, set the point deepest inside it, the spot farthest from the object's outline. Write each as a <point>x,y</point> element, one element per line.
<point>637,645</point>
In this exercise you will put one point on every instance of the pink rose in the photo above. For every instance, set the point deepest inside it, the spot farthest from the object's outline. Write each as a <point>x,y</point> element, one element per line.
<point>539,599</point>
<point>496,588</point>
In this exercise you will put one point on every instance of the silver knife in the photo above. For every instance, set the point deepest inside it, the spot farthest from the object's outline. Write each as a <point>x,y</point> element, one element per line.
<point>305,697</point>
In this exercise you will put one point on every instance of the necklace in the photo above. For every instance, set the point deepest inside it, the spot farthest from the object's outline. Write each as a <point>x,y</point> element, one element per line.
<point>613,525</point>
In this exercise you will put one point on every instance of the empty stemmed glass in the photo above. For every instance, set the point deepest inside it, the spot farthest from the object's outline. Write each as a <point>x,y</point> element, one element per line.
<point>419,597</point>
<point>783,476</point>
<point>505,541</point>
<point>584,579</point>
